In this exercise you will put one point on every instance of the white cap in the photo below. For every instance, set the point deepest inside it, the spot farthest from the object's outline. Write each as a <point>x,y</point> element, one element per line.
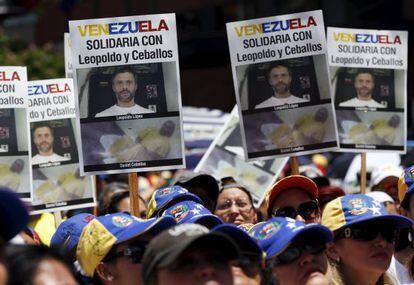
<point>380,196</point>
<point>384,171</point>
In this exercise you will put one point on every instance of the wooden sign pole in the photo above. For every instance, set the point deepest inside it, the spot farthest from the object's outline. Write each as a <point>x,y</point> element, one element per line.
<point>58,218</point>
<point>133,193</point>
<point>363,172</point>
<point>294,166</point>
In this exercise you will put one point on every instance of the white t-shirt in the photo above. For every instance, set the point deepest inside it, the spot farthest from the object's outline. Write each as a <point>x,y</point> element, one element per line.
<point>39,159</point>
<point>399,273</point>
<point>115,110</point>
<point>273,101</point>
<point>355,102</point>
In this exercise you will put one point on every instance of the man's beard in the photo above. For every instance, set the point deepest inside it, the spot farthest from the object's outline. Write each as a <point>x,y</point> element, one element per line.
<point>281,88</point>
<point>44,147</point>
<point>364,92</point>
<point>122,98</point>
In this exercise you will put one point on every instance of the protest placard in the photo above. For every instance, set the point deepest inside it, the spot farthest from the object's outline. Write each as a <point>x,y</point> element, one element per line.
<point>68,56</point>
<point>225,157</point>
<point>56,183</point>
<point>369,75</point>
<point>127,79</point>
<point>14,146</point>
<point>281,82</point>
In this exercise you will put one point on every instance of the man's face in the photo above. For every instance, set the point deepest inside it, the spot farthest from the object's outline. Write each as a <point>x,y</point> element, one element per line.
<point>43,139</point>
<point>198,266</point>
<point>364,85</point>
<point>124,87</point>
<point>280,79</point>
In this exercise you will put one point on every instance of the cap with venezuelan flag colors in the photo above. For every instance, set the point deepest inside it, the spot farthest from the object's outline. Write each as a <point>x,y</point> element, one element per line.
<point>166,196</point>
<point>276,234</point>
<point>406,186</point>
<point>356,208</point>
<point>103,232</point>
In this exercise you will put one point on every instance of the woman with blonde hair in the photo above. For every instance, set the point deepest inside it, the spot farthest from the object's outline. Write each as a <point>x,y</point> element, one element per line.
<point>364,237</point>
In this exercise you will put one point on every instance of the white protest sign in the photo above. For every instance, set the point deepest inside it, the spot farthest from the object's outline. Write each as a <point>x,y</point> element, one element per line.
<point>127,80</point>
<point>369,76</point>
<point>282,88</point>
<point>56,183</point>
<point>14,151</point>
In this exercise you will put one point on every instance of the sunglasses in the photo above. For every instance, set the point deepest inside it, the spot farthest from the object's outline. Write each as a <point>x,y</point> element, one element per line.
<point>294,252</point>
<point>368,233</point>
<point>134,253</point>
<point>308,210</point>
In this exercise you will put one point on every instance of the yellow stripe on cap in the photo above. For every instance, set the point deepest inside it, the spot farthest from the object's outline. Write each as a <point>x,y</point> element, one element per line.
<point>402,187</point>
<point>94,244</point>
<point>333,216</point>
<point>152,205</point>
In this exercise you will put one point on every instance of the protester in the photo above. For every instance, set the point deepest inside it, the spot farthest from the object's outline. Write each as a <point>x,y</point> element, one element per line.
<point>189,254</point>
<point>40,265</point>
<point>106,194</point>
<point>235,203</point>
<point>121,202</point>
<point>403,263</point>
<point>248,268</point>
<point>294,251</point>
<point>192,212</point>
<point>327,194</point>
<point>165,197</point>
<point>201,184</point>
<point>111,247</point>
<point>364,237</point>
<point>294,196</point>
<point>385,178</point>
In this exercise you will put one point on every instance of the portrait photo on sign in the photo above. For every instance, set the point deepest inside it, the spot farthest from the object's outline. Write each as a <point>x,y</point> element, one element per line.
<point>13,132</point>
<point>131,140</point>
<point>363,87</point>
<point>59,184</point>
<point>128,89</point>
<point>282,129</point>
<point>275,83</point>
<point>370,128</point>
<point>53,141</point>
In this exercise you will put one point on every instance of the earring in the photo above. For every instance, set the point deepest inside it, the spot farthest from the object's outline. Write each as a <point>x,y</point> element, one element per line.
<point>338,260</point>
<point>410,236</point>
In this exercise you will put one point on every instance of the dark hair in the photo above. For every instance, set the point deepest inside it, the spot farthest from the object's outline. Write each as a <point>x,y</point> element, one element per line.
<point>364,70</point>
<point>125,70</point>
<point>114,202</point>
<point>23,262</point>
<point>278,64</point>
<point>42,125</point>
<point>109,188</point>
<point>230,182</point>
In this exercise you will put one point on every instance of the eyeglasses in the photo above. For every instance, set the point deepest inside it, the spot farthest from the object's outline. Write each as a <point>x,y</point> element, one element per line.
<point>308,210</point>
<point>135,253</point>
<point>243,205</point>
<point>293,253</point>
<point>368,233</point>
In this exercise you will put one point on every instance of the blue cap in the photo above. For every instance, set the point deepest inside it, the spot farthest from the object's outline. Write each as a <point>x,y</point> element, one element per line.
<point>68,233</point>
<point>166,196</point>
<point>278,233</point>
<point>102,233</point>
<point>192,212</point>
<point>356,208</point>
<point>246,243</point>
<point>13,214</point>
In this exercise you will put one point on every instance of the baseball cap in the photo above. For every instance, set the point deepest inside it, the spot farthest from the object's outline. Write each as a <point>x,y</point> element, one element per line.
<point>406,185</point>
<point>13,213</point>
<point>292,181</point>
<point>103,232</point>
<point>192,212</point>
<point>167,247</point>
<point>188,179</point>
<point>68,233</point>
<point>315,174</point>
<point>247,244</point>
<point>357,208</point>
<point>276,234</point>
<point>164,197</point>
<point>380,196</point>
<point>384,171</point>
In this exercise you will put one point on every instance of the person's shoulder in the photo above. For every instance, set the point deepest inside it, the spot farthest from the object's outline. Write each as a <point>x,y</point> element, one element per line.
<point>266,103</point>
<point>142,110</point>
<point>106,112</point>
<point>349,103</point>
<point>298,99</point>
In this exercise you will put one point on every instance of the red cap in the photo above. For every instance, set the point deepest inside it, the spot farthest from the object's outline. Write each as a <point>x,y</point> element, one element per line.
<point>293,181</point>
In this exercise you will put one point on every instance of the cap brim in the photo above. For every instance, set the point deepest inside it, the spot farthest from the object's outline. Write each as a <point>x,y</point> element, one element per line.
<point>318,232</point>
<point>246,243</point>
<point>399,221</point>
<point>209,221</point>
<point>227,247</point>
<point>152,226</point>
<point>293,181</point>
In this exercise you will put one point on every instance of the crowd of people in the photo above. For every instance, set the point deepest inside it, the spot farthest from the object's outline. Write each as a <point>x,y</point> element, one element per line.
<point>193,229</point>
